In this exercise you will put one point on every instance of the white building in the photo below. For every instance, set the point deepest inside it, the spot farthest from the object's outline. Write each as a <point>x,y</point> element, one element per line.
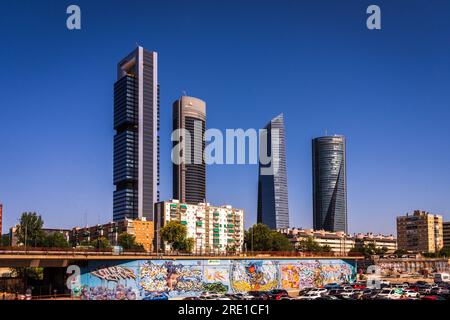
<point>340,242</point>
<point>214,229</point>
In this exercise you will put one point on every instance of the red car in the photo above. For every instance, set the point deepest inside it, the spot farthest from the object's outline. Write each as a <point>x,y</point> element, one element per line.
<point>277,294</point>
<point>359,286</point>
<point>434,298</point>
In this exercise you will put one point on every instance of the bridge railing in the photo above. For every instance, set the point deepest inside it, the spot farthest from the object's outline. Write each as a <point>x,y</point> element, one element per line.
<point>111,252</point>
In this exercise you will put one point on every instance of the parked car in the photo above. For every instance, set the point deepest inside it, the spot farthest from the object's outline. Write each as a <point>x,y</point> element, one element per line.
<point>390,293</point>
<point>411,293</point>
<point>310,296</point>
<point>439,291</point>
<point>432,297</point>
<point>276,294</point>
<point>359,285</point>
<point>321,291</point>
<point>327,298</point>
<point>259,295</point>
<point>331,286</point>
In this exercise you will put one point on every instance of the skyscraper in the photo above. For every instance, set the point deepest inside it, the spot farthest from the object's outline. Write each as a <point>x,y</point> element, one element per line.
<point>136,142</point>
<point>273,209</point>
<point>189,177</point>
<point>329,183</point>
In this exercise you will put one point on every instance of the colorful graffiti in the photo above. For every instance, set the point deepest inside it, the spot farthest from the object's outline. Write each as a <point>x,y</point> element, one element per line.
<point>250,275</point>
<point>152,279</point>
<point>171,278</point>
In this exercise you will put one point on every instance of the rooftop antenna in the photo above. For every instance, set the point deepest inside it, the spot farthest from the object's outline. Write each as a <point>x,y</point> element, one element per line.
<point>137,44</point>
<point>326,132</point>
<point>184,92</point>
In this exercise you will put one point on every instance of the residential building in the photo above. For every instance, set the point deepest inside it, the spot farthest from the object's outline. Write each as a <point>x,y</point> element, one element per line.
<point>420,232</point>
<point>136,142</point>
<point>214,229</point>
<point>389,242</point>
<point>142,229</point>
<point>329,183</point>
<point>14,241</point>
<point>189,169</point>
<point>339,242</point>
<point>273,207</point>
<point>446,234</point>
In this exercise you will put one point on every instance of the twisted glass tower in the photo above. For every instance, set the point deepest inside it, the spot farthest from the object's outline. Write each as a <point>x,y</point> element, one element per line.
<point>329,184</point>
<point>273,209</point>
<point>136,142</point>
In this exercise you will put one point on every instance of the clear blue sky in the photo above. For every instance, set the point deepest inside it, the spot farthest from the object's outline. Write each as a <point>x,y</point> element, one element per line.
<point>387,91</point>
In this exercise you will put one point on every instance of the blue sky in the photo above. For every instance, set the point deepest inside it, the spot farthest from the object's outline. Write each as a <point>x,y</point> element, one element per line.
<point>387,91</point>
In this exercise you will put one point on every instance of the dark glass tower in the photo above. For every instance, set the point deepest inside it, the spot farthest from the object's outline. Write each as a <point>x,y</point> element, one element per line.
<point>329,184</point>
<point>273,209</point>
<point>189,177</point>
<point>136,142</point>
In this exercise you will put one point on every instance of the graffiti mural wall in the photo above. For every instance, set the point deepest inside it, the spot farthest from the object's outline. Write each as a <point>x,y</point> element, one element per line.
<point>156,279</point>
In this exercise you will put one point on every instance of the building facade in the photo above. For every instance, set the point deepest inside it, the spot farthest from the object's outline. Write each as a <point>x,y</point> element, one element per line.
<point>420,232</point>
<point>136,142</point>
<point>189,169</point>
<point>446,234</point>
<point>388,242</point>
<point>142,229</point>
<point>329,183</point>
<point>14,241</point>
<point>273,207</point>
<point>339,242</point>
<point>214,229</point>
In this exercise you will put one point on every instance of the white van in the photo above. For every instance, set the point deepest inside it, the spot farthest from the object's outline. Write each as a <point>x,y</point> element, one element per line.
<point>441,277</point>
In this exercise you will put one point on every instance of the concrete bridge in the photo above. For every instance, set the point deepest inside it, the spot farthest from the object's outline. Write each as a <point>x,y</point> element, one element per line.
<point>60,258</point>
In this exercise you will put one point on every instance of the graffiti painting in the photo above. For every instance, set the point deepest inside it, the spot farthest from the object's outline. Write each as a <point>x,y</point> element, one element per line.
<point>167,279</point>
<point>172,278</point>
<point>254,275</point>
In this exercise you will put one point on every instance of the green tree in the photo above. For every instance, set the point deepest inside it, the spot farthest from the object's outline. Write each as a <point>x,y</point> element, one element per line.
<point>400,252</point>
<point>128,242</point>
<point>260,238</point>
<point>29,231</point>
<point>101,243</point>
<point>55,240</point>
<point>369,250</point>
<point>175,234</point>
<point>280,242</point>
<point>445,252</point>
<point>308,245</point>
<point>4,241</point>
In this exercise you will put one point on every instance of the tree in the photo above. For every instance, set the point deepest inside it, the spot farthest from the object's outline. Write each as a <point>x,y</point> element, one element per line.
<point>101,243</point>
<point>55,240</point>
<point>369,250</point>
<point>280,242</point>
<point>258,238</point>
<point>175,234</point>
<point>261,238</point>
<point>4,241</point>
<point>29,231</point>
<point>128,242</point>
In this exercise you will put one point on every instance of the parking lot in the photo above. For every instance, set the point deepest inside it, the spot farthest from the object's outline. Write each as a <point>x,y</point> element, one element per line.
<point>419,290</point>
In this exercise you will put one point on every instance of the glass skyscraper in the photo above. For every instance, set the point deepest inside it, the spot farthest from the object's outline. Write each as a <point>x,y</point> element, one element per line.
<point>136,142</point>
<point>273,209</point>
<point>189,177</point>
<point>329,184</point>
